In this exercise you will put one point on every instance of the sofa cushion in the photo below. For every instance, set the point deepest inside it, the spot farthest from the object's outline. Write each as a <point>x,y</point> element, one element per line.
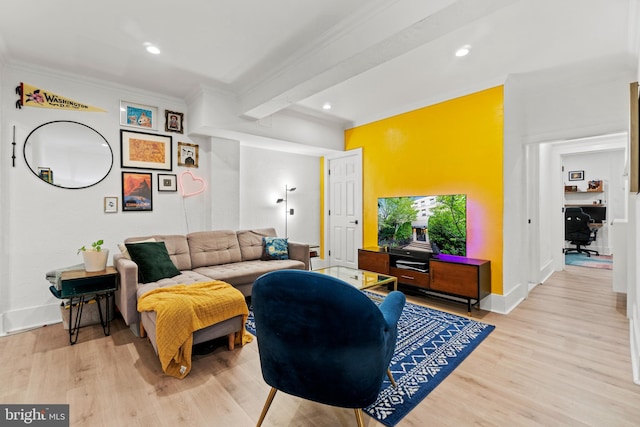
<point>187,277</point>
<point>153,261</point>
<point>275,248</point>
<point>213,248</point>
<point>250,241</point>
<point>177,247</point>
<point>247,272</point>
<point>125,252</point>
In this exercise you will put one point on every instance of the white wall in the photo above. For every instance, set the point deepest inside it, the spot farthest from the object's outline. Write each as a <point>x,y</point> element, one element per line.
<point>548,210</point>
<point>43,226</point>
<point>579,101</point>
<point>5,162</point>
<point>632,245</point>
<point>633,290</point>
<point>570,102</point>
<point>264,174</point>
<point>225,179</point>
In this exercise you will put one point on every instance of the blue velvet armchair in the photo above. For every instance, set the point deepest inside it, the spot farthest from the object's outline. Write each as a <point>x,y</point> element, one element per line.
<point>323,340</point>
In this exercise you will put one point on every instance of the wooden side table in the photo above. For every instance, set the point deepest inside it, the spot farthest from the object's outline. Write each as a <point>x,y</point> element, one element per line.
<point>79,286</point>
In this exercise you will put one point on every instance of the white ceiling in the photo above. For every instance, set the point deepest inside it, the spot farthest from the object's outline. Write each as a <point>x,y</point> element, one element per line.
<point>369,58</point>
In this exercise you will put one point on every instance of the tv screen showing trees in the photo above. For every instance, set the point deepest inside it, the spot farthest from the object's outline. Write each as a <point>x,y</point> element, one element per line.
<point>435,223</point>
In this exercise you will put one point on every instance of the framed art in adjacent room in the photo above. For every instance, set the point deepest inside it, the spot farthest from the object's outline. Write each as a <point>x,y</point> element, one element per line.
<point>173,121</point>
<point>110,204</point>
<point>137,191</point>
<point>576,175</point>
<point>145,150</point>
<point>187,155</point>
<point>138,115</point>
<point>167,182</point>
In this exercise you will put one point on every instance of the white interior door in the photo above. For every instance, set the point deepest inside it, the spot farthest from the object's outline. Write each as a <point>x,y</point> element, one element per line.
<point>343,175</point>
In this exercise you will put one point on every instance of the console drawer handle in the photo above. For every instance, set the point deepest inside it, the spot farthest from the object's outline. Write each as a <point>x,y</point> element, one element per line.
<point>407,277</point>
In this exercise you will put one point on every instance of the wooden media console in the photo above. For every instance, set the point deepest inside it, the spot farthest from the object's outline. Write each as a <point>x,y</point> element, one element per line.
<point>448,276</point>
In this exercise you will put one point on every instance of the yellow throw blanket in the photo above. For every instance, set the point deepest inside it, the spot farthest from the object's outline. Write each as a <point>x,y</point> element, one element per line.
<point>183,309</point>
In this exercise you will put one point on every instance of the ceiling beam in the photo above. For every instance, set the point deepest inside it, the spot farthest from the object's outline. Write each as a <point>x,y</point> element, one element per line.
<point>358,50</point>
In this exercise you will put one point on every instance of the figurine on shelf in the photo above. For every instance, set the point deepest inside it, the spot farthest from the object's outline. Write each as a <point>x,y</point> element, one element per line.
<point>595,185</point>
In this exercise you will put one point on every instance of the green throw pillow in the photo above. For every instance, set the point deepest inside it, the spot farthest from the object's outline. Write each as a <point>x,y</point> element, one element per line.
<point>153,261</point>
<point>275,248</point>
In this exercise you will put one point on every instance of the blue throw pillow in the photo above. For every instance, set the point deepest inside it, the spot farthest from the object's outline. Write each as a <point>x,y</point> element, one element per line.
<point>275,248</point>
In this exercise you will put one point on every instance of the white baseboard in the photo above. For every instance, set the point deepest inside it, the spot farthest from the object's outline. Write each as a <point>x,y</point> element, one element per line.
<point>634,339</point>
<point>318,263</point>
<point>546,271</point>
<point>504,304</point>
<point>29,318</point>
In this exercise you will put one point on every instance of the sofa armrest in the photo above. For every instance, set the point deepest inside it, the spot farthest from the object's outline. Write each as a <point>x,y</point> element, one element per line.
<point>126,297</point>
<point>300,252</point>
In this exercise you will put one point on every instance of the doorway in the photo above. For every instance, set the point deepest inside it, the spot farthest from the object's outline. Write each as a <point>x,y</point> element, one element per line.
<point>595,159</point>
<point>343,201</point>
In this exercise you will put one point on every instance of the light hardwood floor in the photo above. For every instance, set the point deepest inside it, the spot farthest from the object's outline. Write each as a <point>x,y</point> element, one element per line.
<point>561,358</point>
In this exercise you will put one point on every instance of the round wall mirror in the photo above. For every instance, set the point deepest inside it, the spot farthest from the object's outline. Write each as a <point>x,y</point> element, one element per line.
<point>68,154</point>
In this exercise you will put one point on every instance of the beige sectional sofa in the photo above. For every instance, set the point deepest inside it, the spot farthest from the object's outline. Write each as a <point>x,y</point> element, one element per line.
<point>234,257</point>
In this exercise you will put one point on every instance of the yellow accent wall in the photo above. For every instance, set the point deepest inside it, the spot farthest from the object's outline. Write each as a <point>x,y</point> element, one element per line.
<point>448,148</point>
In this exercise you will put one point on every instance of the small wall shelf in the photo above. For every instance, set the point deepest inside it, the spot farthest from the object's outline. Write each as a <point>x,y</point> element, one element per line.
<point>583,192</point>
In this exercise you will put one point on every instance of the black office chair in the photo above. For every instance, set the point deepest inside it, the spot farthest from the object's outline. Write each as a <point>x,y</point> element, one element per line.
<point>577,231</point>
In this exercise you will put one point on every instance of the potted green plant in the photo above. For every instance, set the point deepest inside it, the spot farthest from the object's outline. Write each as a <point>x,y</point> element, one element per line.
<point>95,258</point>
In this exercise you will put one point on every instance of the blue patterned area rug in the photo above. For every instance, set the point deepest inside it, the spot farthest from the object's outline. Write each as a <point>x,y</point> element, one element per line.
<point>431,344</point>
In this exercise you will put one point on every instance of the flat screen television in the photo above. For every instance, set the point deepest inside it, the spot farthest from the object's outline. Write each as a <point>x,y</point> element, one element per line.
<point>436,223</point>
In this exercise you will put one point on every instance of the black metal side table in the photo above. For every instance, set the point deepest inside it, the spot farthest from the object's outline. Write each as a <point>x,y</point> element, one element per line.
<point>79,287</point>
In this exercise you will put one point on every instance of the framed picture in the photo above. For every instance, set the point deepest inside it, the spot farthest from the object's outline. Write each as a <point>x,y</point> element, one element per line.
<point>138,115</point>
<point>110,204</point>
<point>145,150</point>
<point>576,175</point>
<point>187,155</point>
<point>173,121</point>
<point>167,182</point>
<point>137,191</point>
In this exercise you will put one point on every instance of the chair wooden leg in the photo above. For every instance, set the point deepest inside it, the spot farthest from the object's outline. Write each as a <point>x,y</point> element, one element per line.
<point>393,382</point>
<point>359,417</point>
<point>267,404</point>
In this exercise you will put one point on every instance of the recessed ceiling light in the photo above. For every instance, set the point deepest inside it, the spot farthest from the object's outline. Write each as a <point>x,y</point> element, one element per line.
<point>152,49</point>
<point>326,106</point>
<point>463,51</point>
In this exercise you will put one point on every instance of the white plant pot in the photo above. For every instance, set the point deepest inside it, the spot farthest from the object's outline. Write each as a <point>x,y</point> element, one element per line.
<point>95,261</point>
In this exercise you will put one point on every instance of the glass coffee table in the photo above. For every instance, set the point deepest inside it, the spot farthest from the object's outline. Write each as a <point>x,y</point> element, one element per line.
<point>360,279</point>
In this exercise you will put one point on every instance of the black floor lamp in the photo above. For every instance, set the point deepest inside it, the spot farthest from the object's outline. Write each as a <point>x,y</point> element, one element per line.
<point>287,211</point>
